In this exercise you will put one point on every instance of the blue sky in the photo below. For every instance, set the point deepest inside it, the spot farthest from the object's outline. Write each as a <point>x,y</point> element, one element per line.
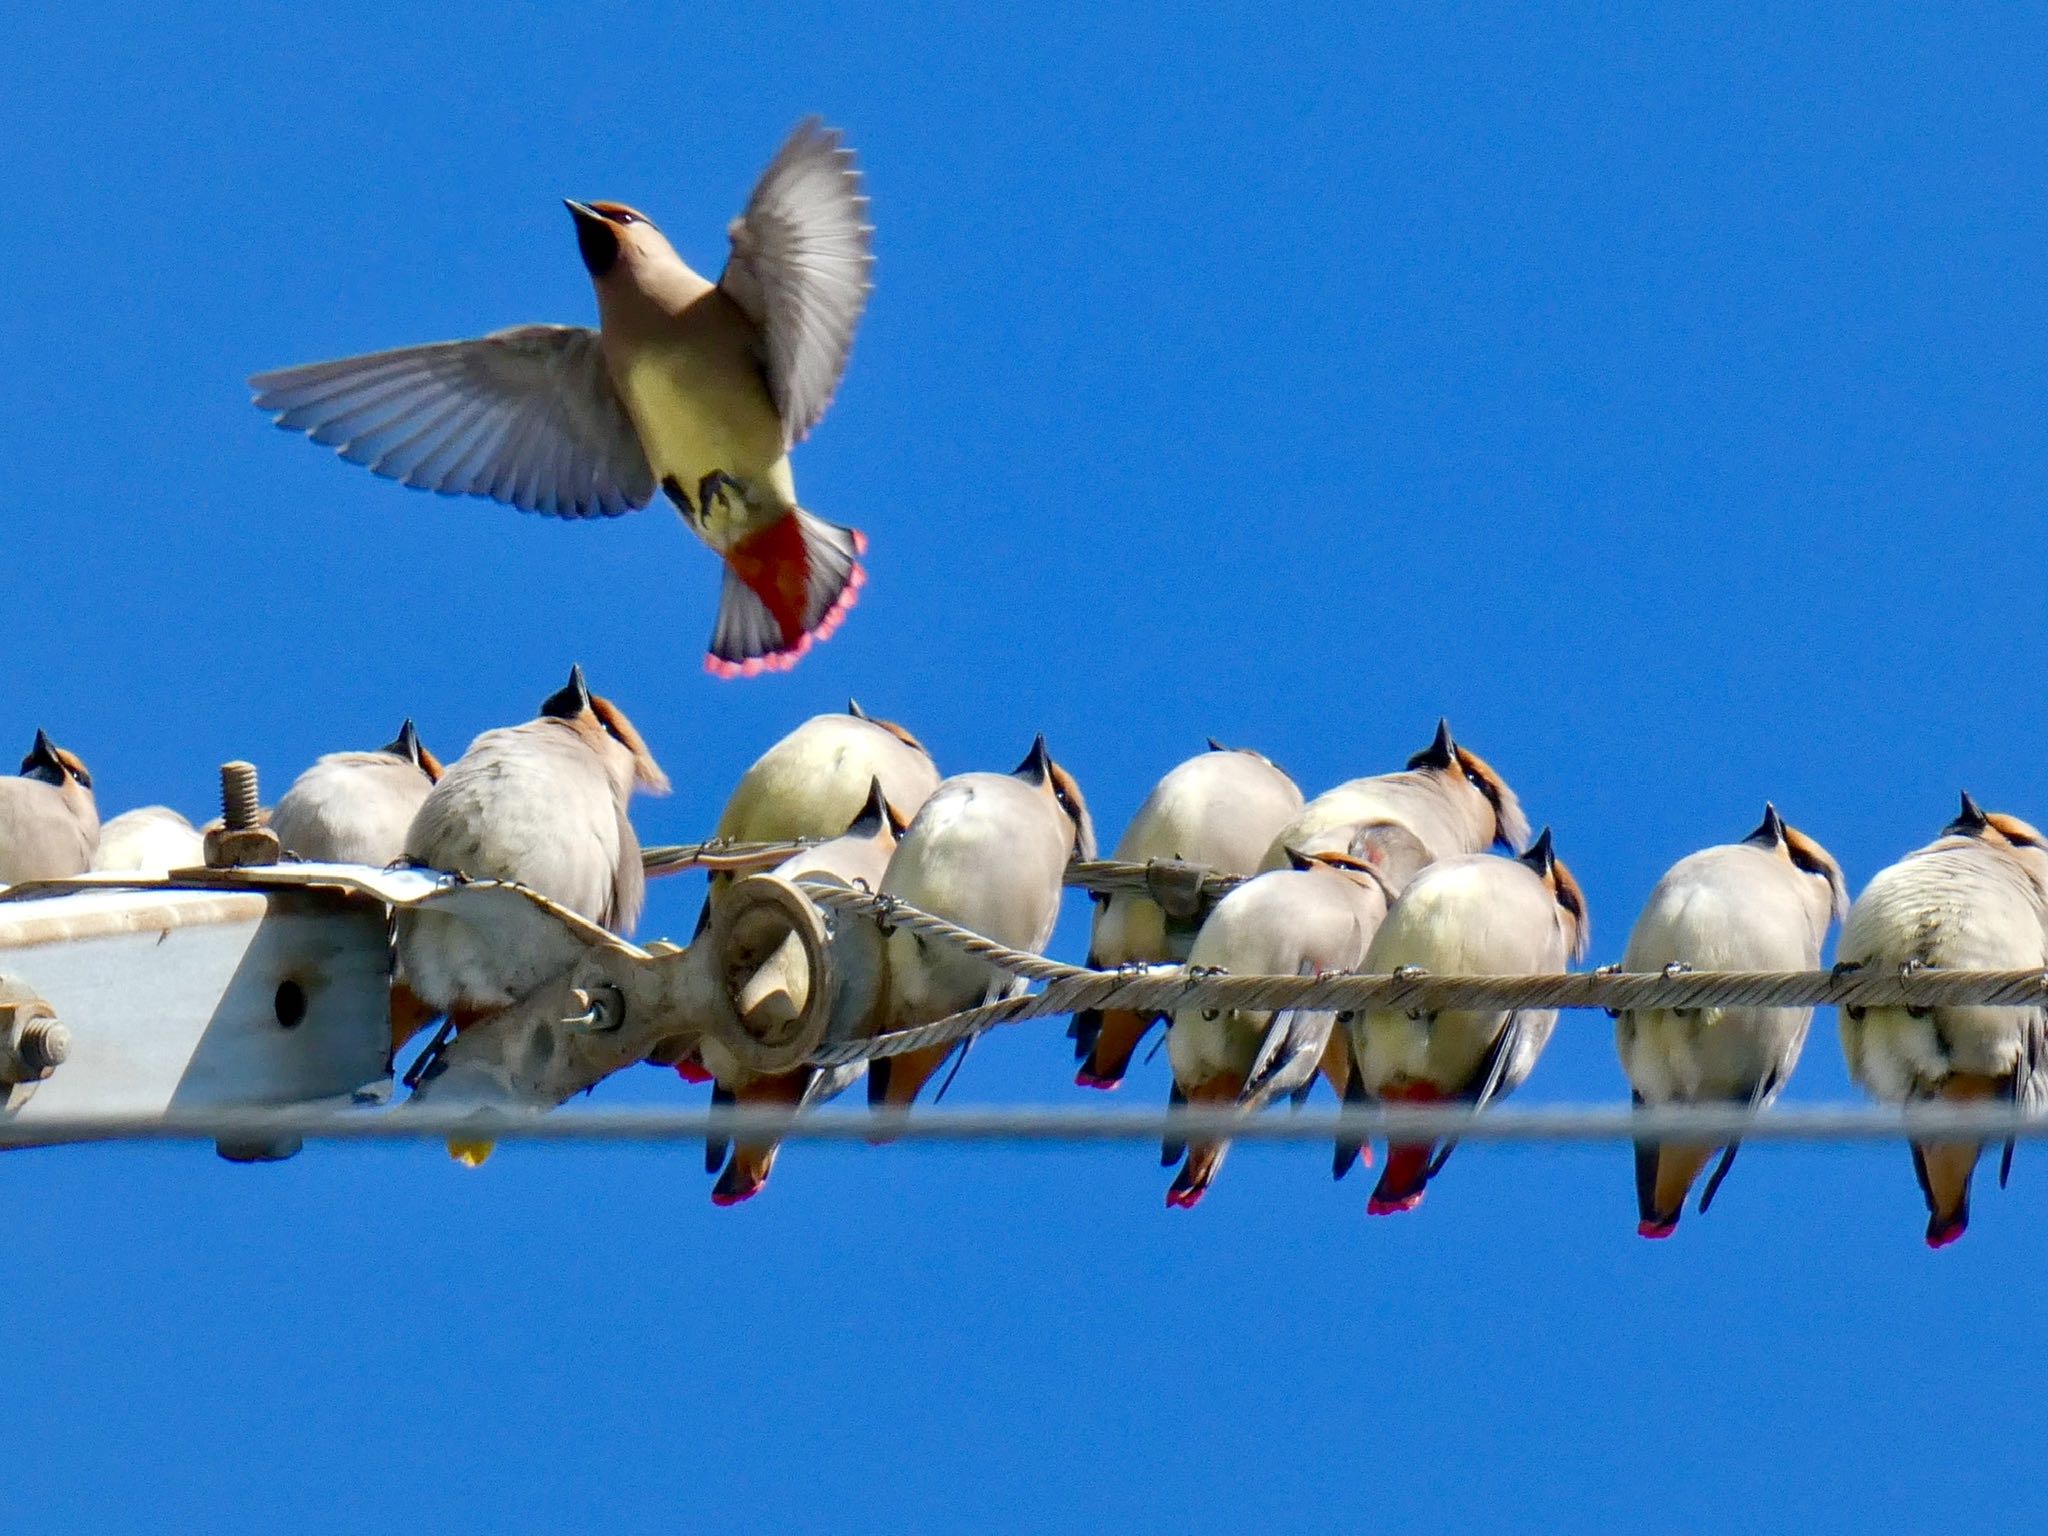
<point>1659,398</point>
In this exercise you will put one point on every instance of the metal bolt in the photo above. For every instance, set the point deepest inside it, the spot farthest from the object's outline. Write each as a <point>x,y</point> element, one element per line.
<point>240,803</point>
<point>43,1046</point>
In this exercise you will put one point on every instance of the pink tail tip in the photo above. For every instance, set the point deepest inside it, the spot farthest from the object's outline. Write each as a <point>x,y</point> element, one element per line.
<point>1086,1079</point>
<point>1377,1206</point>
<point>1941,1237</point>
<point>1656,1230</point>
<point>692,1072</point>
<point>1184,1199</point>
<point>725,1197</point>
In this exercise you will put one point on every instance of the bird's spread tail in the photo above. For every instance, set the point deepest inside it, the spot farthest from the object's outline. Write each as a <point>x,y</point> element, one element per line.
<point>786,586</point>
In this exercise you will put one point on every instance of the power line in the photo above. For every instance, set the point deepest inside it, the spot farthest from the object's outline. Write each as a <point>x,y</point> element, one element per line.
<point>1819,1124</point>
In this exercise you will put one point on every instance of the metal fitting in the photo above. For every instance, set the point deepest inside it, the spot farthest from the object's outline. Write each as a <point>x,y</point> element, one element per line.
<point>241,840</point>
<point>32,1043</point>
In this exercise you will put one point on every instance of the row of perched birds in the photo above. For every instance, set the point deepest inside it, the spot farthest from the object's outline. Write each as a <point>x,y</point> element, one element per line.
<point>1431,866</point>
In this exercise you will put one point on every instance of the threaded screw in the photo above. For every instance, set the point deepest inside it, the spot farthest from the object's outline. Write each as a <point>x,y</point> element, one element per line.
<point>240,804</point>
<point>43,1046</point>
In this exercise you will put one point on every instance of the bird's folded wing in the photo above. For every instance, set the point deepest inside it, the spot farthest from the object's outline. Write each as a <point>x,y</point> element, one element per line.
<point>802,257</point>
<point>526,416</point>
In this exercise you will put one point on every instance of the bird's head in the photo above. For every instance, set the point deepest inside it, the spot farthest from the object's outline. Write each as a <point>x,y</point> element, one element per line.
<point>1039,770</point>
<point>1804,855</point>
<point>49,763</point>
<point>604,725</point>
<point>615,240</point>
<point>1469,771</point>
<point>407,745</point>
<point>1564,890</point>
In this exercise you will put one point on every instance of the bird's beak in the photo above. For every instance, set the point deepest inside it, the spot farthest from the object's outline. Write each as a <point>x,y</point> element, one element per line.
<point>596,239</point>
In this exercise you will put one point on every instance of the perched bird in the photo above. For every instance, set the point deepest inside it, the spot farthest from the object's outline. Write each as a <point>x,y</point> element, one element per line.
<point>779,987</point>
<point>49,825</point>
<point>987,851</point>
<point>1472,915</point>
<point>815,780</point>
<point>542,804</point>
<point>695,387</point>
<point>1448,797</point>
<point>150,840</point>
<point>356,807</point>
<point>1973,899</point>
<point>1763,904</point>
<point>1221,810</point>
<point>1315,917</point>
<point>810,784</point>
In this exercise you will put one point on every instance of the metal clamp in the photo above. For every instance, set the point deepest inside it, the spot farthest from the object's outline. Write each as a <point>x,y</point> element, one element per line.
<point>1177,886</point>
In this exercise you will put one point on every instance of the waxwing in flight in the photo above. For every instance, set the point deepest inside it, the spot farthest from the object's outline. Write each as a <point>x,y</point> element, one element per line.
<point>1448,797</point>
<point>1318,916</point>
<point>987,851</point>
<point>542,804</point>
<point>150,840</point>
<point>859,856</point>
<point>49,825</point>
<point>1470,915</point>
<point>356,807</point>
<point>1973,899</point>
<point>1220,810</point>
<point>695,388</point>
<point>1763,904</point>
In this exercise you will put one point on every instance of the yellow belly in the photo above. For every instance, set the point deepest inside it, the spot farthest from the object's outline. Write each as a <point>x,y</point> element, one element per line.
<point>693,422</point>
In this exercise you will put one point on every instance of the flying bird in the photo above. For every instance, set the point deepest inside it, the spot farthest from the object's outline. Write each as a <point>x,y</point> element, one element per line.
<point>1973,899</point>
<point>1472,915</point>
<point>1763,904</point>
<point>356,807</point>
<point>693,388</point>
<point>1316,917</point>
<point>49,822</point>
<point>1220,810</point>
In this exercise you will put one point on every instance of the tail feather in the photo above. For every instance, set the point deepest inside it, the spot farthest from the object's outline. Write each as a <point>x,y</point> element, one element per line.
<point>1410,1164</point>
<point>787,586</point>
<point>1104,1044</point>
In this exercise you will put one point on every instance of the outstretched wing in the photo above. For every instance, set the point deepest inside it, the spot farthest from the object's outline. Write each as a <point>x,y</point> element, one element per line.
<point>801,268</point>
<point>526,416</point>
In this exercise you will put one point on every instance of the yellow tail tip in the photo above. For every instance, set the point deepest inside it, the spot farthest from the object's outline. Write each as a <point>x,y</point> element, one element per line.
<point>471,1154</point>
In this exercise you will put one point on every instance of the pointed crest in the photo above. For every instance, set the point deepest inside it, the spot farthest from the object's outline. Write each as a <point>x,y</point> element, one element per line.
<point>1035,765</point>
<point>1970,821</point>
<point>569,701</point>
<point>42,759</point>
<point>1771,832</point>
<point>1541,856</point>
<point>1440,753</point>
<point>874,815</point>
